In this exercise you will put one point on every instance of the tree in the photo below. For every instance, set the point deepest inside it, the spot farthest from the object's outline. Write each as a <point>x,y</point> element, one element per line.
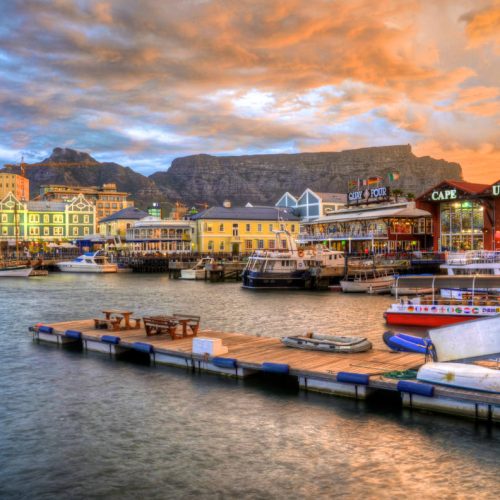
<point>397,193</point>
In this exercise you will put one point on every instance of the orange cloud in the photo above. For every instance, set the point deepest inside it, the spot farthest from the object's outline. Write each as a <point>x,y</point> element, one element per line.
<point>483,26</point>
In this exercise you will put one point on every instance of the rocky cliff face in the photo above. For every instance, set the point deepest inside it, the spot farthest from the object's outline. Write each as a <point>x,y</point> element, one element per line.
<point>259,179</point>
<point>262,179</point>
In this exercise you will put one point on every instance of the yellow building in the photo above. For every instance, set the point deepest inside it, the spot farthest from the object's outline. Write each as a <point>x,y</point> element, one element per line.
<point>241,230</point>
<point>18,185</point>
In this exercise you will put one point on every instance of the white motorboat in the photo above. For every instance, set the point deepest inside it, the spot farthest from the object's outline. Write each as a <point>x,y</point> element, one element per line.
<point>464,376</point>
<point>90,262</point>
<point>472,263</point>
<point>15,271</point>
<point>198,272</point>
<point>371,281</point>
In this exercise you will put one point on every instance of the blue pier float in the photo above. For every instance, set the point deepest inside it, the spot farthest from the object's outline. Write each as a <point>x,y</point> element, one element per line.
<point>353,378</point>
<point>416,388</point>
<point>45,329</point>
<point>224,362</point>
<point>110,339</point>
<point>73,334</point>
<point>143,347</point>
<point>279,368</point>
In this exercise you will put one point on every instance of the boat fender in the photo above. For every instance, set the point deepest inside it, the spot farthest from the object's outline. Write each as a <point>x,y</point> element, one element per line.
<point>110,339</point>
<point>45,329</point>
<point>416,388</point>
<point>353,378</point>
<point>224,362</point>
<point>143,347</point>
<point>73,334</point>
<point>280,368</point>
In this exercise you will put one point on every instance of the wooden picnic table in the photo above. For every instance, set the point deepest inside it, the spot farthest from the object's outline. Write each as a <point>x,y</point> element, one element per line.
<point>119,314</point>
<point>156,325</point>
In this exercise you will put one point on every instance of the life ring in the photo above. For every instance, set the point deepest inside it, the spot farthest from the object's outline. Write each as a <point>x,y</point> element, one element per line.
<point>301,253</point>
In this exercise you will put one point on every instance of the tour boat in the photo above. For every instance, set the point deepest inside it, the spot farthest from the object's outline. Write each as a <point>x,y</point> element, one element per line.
<point>198,272</point>
<point>20,271</point>
<point>434,312</point>
<point>371,281</point>
<point>330,343</point>
<point>462,375</point>
<point>292,268</point>
<point>90,262</point>
<point>472,263</point>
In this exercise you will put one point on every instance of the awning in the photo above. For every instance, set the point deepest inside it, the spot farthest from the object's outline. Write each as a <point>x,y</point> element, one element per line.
<point>381,213</point>
<point>488,282</point>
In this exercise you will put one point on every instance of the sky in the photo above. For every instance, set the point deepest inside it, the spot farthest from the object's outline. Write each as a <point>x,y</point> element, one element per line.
<point>143,82</point>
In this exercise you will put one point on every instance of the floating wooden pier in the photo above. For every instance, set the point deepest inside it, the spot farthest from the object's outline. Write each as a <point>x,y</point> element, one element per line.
<point>358,375</point>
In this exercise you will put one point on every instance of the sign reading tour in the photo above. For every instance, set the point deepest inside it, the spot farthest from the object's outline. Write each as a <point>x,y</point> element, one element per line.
<point>368,195</point>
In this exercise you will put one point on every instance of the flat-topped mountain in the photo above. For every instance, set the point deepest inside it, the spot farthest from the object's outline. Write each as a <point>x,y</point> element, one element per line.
<point>259,179</point>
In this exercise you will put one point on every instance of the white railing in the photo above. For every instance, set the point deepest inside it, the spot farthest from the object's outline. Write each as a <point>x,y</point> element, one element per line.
<point>473,257</point>
<point>356,235</point>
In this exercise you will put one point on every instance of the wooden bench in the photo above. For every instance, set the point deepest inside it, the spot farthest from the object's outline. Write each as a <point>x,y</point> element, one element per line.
<point>137,323</point>
<point>157,325</point>
<point>107,324</point>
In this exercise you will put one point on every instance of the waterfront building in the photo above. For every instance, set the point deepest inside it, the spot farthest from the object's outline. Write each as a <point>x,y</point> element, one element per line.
<point>18,185</point>
<point>155,210</point>
<point>152,234</point>
<point>117,223</point>
<point>106,198</point>
<point>380,228</point>
<point>466,215</point>
<point>241,230</point>
<point>45,221</point>
<point>311,205</point>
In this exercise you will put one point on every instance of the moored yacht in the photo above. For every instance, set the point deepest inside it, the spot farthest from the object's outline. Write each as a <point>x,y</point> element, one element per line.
<point>198,271</point>
<point>473,262</point>
<point>369,280</point>
<point>17,271</point>
<point>90,262</point>
<point>291,268</point>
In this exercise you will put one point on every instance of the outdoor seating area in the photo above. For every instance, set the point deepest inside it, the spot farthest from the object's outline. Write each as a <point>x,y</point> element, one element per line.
<point>113,319</point>
<point>177,325</point>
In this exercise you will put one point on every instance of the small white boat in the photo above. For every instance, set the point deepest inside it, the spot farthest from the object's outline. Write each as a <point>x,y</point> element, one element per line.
<point>89,262</point>
<point>461,375</point>
<point>330,343</point>
<point>197,272</point>
<point>371,281</point>
<point>15,271</point>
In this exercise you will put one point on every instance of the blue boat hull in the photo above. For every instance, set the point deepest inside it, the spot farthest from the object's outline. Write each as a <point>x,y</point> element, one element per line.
<point>403,342</point>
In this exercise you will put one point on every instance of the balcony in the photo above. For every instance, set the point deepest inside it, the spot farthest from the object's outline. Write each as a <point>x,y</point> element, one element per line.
<point>340,236</point>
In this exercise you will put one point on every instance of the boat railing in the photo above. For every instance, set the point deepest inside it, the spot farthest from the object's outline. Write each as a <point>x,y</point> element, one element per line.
<point>480,300</point>
<point>473,257</point>
<point>338,235</point>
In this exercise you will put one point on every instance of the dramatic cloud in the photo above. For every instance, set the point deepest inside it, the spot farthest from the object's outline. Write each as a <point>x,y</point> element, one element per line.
<point>142,83</point>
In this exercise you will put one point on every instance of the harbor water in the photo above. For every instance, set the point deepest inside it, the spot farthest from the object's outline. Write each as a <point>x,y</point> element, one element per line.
<point>76,425</point>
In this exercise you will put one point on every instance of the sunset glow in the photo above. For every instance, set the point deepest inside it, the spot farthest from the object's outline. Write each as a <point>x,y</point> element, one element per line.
<point>141,83</point>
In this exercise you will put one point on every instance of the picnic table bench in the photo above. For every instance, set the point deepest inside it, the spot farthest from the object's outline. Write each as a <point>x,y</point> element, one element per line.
<point>157,325</point>
<point>113,318</point>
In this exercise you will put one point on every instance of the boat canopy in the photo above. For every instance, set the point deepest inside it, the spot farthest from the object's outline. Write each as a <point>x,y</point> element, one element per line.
<point>470,282</point>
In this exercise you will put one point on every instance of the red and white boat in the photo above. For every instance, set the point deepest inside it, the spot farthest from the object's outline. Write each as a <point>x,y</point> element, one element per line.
<point>438,314</point>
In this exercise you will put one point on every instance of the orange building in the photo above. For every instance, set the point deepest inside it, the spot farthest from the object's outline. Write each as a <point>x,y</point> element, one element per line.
<point>18,185</point>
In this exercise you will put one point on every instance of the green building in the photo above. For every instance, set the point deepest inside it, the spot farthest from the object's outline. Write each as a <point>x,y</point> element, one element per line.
<point>46,221</point>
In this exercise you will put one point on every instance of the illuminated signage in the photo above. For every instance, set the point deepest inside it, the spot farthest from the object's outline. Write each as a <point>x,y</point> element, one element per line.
<point>496,189</point>
<point>368,195</point>
<point>446,194</point>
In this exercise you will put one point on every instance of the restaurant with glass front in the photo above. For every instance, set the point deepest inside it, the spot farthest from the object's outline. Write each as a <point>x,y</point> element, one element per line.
<point>466,216</point>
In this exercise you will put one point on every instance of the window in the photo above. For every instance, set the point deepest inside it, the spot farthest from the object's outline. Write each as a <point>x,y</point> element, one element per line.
<point>5,218</point>
<point>221,246</point>
<point>85,230</point>
<point>248,244</point>
<point>58,219</point>
<point>221,228</point>
<point>235,230</point>
<point>283,244</point>
<point>75,231</point>
<point>260,244</point>
<point>75,219</point>
<point>272,245</point>
<point>247,228</point>
<point>282,227</point>
<point>34,218</point>
<point>46,218</point>
<point>5,231</point>
<point>46,231</point>
<point>34,231</point>
<point>292,229</point>
<point>259,228</point>
<point>270,227</point>
<point>58,231</point>
<point>210,246</point>
<point>86,219</point>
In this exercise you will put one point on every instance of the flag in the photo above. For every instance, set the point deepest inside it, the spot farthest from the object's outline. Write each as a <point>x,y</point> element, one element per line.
<point>352,185</point>
<point>374,180</point>
<point>393,176</point>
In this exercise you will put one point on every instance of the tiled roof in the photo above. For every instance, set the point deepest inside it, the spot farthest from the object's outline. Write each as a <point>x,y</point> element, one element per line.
<point>469,187</point>
<point>247,213</point>
<point>129,213</point>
